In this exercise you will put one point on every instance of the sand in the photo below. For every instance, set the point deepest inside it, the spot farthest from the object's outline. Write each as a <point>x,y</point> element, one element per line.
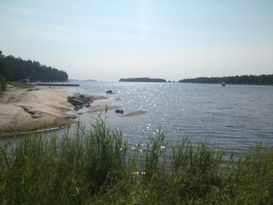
<point>23,110</point>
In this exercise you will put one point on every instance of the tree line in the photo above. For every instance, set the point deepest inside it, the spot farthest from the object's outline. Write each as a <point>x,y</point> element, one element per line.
<point>16,69</point>
<point>243,79</point>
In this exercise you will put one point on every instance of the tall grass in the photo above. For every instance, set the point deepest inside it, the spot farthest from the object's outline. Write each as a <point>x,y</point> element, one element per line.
<point>96,167</point>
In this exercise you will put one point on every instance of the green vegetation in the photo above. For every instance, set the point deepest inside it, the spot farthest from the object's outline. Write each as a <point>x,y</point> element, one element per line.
<point>96,167</point>
<point>16,69</point>
<point>142,80</point>
<point>244,79</point>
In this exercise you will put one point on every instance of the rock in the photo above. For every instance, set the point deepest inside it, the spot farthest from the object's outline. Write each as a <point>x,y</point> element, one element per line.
<point>75,101</point>
<point>74,117</point>
<point>80,101</point>
<point>85,99</point>
<point>109,92</point>
<point>119,111</point>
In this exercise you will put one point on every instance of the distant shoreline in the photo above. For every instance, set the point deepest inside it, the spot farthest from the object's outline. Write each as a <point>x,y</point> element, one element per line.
<point>226,83</point>
<point>236,80</point>
<point>148,80</point>
<point>200,83</point>
<point>57,84</point>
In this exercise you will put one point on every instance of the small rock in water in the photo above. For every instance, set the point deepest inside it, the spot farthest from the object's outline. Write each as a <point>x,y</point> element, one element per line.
<point>74,117</point>
<point>109,92</point>
<point>119,111</point>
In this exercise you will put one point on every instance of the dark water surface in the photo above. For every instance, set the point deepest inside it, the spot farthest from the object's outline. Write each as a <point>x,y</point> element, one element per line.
<point>234,117</point>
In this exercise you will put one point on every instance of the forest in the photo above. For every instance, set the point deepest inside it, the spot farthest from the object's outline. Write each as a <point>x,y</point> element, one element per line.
<point>243,79</point>
<point>16,69</point>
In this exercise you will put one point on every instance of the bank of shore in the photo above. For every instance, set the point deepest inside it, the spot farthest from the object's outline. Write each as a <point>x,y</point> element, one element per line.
<point>23,110</point>
<point>36,109</point>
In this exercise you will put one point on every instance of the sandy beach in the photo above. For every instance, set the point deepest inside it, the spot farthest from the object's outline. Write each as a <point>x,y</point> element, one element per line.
<point>23,110</point>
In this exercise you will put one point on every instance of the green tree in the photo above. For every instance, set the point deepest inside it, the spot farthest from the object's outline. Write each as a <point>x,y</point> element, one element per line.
<point>14,69</point>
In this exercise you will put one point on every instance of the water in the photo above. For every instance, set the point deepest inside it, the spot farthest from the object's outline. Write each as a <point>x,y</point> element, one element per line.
<point>232,118</point>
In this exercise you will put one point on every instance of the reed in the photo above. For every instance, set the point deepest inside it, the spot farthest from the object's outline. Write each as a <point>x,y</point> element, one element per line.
<point>96,167</point>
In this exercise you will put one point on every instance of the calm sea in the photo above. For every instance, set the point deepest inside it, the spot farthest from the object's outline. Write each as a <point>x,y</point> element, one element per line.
<point>233,118</point>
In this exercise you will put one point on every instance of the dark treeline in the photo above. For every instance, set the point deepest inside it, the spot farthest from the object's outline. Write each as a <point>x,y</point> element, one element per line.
<point>142,80</point>
<point>244,79</point>
<point>16,69</point>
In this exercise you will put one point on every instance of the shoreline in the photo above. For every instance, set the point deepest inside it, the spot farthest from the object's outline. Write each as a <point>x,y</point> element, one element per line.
<point>39,109</point>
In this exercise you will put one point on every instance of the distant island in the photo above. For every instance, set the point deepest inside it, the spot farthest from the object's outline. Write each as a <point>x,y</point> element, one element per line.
<point>243,79</point>
<point>142,80</point>
<point>90,80</point>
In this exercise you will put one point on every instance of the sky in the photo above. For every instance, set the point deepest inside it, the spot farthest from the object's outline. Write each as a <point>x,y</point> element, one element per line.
<point>170,39</point>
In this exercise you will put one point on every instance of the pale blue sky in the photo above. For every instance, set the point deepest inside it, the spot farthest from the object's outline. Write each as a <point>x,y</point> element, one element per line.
<point>107,40</point>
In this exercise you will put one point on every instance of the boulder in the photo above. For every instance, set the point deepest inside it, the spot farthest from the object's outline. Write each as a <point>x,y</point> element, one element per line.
<point>80,101</point>
<point>119,111</point>
<point>85,99</point>
<point>75,101</point>
<point>109,92</point>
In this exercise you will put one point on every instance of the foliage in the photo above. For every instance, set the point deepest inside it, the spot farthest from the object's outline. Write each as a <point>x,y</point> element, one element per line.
<point>96,167</point>
<point>15,69</point>
<point>244,79</point>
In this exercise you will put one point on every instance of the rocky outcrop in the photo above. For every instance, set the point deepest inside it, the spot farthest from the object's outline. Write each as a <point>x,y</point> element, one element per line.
<point>80,101</point>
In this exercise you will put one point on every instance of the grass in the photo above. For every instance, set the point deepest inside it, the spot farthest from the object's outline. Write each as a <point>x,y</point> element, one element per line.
<point>96,167</point>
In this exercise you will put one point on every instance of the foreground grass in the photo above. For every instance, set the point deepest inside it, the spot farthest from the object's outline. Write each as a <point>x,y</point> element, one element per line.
<point>96,167</point>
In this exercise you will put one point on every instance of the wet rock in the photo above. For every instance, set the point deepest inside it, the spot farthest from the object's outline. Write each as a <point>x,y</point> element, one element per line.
<point>109,92</point>
<point>80,101</point>
<point>75,101</point>
<point>74,117</point>
<point>85,99</point>
<point>119,111</point>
